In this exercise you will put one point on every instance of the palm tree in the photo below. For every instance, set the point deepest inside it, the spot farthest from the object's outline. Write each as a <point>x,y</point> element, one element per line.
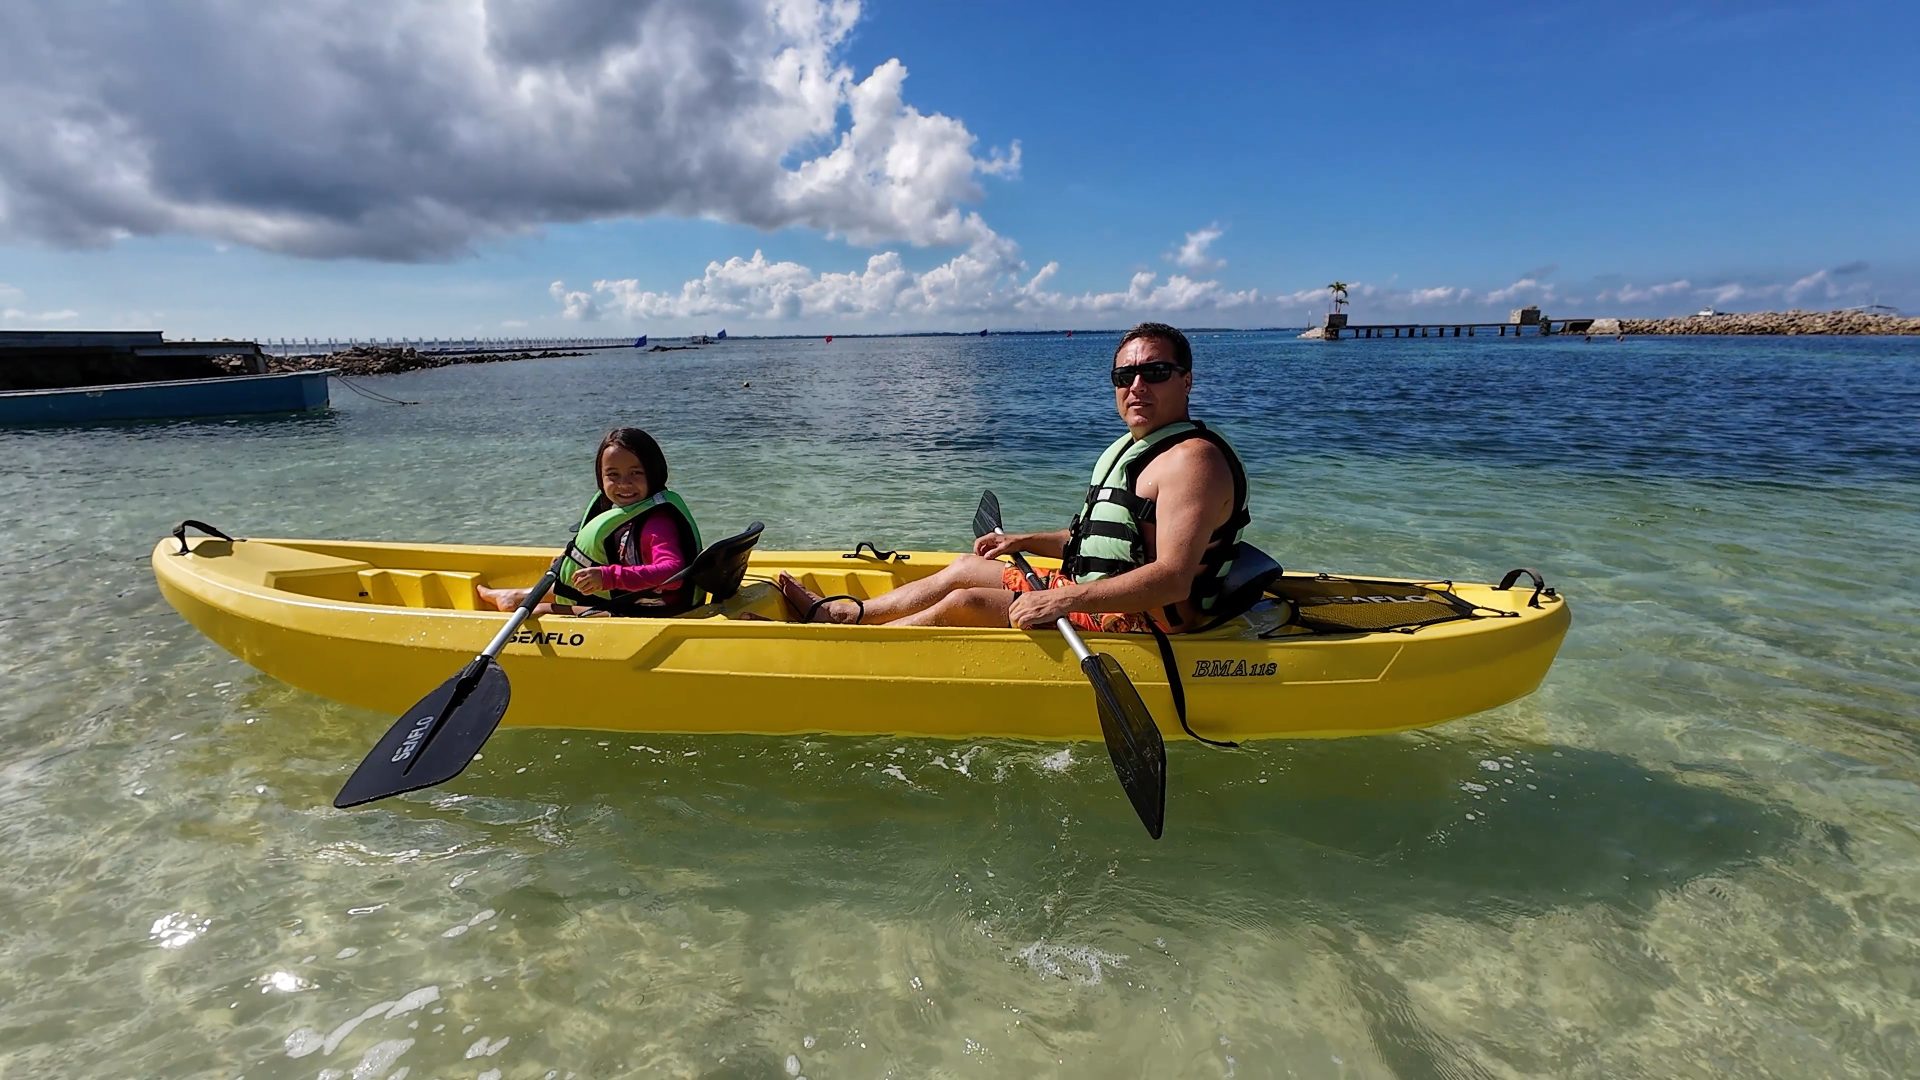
<point>1339,291</point>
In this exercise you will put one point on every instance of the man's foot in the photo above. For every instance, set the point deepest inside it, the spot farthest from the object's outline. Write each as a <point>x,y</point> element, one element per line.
<point>807,606</point>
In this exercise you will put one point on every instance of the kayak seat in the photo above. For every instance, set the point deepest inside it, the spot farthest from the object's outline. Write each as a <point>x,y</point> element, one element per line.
<point>718,570</point>
<point>1252,572</point>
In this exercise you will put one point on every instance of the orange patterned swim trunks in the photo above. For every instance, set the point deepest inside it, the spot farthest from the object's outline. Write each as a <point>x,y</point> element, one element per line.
<point>1108,622</point>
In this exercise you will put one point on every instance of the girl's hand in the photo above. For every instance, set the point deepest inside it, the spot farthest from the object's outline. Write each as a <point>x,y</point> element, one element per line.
<point>589,580</point>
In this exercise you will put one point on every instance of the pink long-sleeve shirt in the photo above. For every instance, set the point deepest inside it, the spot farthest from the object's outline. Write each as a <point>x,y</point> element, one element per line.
<point>660,558</point>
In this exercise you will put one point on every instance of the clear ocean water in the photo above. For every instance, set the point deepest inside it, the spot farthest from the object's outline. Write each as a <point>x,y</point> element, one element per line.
<point>1693,852</point>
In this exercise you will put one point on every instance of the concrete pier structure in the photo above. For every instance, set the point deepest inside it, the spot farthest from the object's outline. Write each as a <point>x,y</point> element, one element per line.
<point>50,359</point>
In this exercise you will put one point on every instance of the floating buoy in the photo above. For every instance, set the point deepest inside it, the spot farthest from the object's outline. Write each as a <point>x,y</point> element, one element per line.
<point>829,339</point>
<point>744,384</point>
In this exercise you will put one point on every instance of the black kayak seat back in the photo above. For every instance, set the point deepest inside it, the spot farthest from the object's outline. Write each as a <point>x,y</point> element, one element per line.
<point>1252,572</point>
<point>718,569</point>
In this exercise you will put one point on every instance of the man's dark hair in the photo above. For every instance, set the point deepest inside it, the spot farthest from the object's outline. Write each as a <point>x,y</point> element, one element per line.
<point>1182,352</point>
<point>641,445</point>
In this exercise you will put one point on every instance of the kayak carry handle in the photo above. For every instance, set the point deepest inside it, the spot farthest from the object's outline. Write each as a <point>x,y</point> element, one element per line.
<point>180,534</point>
<point>1539,584</point>
<point>883,556</point>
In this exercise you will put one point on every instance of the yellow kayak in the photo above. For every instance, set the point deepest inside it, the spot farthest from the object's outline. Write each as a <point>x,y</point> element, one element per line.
<point>379,624</point>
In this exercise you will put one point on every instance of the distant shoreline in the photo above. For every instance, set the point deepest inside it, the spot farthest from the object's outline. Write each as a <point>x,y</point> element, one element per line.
<point>379,360</point>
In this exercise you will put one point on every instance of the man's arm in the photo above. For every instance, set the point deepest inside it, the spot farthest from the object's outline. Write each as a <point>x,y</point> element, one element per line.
<point>1194,484</point>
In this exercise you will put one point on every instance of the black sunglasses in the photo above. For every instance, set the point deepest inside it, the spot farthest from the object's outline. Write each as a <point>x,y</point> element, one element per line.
<point>1157,372</point>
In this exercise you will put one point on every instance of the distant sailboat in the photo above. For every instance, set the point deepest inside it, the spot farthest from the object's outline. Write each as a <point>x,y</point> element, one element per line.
<point>721,336</point>
<point>640,342</point>
<point>983,333</point>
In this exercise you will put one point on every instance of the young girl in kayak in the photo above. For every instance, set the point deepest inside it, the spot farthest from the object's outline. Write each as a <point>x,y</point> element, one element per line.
<point>636,534</point>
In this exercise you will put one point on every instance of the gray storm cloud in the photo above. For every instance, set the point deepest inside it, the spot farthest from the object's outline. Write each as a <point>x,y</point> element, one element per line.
<point>408,131</point>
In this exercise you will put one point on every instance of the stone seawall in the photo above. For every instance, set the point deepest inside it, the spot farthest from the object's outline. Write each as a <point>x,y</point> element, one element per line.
<point>1777,322</point>
<point>369,360</point>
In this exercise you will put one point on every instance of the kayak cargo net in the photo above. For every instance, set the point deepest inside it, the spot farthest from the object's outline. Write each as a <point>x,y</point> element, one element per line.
<point>1336,605</point>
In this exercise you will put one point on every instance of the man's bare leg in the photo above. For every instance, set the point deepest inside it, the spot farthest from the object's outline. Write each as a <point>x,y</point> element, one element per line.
<point>964,607</point>
<point>965,572</point>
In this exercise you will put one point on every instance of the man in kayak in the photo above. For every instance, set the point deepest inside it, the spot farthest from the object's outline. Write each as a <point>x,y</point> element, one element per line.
<point>1154,539</point>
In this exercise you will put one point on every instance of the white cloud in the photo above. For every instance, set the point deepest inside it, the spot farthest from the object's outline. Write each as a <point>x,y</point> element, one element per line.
<point>989,282</point>
<point>1750,292</point>
<point>1529,289</point>
<point>1631,294</point>
<point>1819,282</point>
<point>13,315</point>
<point>412,129</point>
<point>574,305</point>
<point>513,324</point>
<point>18,317</point>
<point>1193,252</point>
<point>988,279</point>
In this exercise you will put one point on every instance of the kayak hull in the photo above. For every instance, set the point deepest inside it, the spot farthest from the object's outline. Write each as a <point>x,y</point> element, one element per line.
<point>378,625</point>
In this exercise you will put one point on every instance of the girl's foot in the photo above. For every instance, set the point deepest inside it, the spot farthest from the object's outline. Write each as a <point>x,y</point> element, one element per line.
<point>500,599</point>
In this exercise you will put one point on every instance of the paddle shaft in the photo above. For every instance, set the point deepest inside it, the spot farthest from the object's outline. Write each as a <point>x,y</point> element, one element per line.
<point>1061,624</point>
<point>471,676</point>
<point>525,609</point>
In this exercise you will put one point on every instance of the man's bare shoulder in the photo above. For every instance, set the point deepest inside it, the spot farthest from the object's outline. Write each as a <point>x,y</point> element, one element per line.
<point>1197,459</point>
<point>1192,469</point>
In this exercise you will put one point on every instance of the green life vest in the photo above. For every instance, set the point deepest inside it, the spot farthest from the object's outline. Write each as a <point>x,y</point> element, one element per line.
<point>609,534</point>
<point>1105,538</point>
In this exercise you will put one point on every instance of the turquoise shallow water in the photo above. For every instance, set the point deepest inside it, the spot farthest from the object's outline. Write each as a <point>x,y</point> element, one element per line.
<point>1693,852</point>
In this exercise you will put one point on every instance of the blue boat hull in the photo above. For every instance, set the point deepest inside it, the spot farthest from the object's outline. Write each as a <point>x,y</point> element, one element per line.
<point>239,395</point>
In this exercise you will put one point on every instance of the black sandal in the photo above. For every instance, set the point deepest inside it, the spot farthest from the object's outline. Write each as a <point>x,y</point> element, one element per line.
<point>813,609</point>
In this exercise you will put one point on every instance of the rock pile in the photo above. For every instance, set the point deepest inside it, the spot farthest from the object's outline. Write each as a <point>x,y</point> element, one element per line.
<point>374,360</point>
<point>1777,322</point>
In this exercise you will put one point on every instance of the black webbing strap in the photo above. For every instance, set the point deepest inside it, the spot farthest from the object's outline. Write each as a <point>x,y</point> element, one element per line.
<point>883,556</point>
<point>1539,584</point>
<point>180,534</point>
<point>1173,683</point>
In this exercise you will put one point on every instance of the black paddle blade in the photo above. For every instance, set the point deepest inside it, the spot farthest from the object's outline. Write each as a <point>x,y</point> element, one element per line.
<point>1133,740</point>
<point>987,518</point>
<point>435,739</point>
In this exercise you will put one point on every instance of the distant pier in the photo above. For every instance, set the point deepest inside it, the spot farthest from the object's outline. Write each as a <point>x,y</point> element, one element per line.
<point>290,347</point>
<point>1519,322</point>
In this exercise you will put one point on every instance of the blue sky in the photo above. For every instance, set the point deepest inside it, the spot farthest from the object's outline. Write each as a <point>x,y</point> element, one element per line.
<point>212,167</point>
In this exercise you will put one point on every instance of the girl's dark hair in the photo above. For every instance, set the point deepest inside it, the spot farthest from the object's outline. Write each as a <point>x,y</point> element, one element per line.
<point>641,445</point>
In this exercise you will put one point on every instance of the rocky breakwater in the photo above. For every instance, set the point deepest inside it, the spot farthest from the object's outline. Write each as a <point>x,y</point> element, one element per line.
<point>375,360</point>
<point>1778,322</point>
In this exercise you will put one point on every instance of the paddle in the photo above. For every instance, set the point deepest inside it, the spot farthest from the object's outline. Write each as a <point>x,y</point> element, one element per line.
<point>1133,739</point>
<point>434,741</point>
